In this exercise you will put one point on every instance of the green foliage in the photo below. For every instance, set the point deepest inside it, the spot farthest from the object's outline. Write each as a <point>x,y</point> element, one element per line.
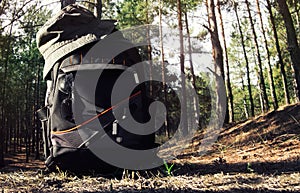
<point>132,13</point>
<point>187,5</point>
<point>249,168</point>
<point>205,100</point>
<point>168,168</point>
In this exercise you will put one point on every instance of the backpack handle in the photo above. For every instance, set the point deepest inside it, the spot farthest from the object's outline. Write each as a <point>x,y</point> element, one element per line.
<point>65,3</point>
<point>97,4</point>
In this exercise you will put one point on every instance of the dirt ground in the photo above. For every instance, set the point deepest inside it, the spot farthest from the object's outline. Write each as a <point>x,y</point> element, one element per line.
<point>259,155</point>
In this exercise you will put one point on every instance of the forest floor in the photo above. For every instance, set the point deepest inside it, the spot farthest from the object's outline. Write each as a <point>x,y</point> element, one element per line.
<point>258,155</point>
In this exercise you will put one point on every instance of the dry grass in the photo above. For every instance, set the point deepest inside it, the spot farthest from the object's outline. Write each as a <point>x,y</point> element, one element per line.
<point>259,155</point>
<point>237,182</point>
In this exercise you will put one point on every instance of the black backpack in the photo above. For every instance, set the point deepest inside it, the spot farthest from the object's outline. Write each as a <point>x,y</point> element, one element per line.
<point>64,42</point>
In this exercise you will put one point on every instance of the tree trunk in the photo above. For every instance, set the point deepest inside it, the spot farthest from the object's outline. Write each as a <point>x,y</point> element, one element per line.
<point>1,146</point>
<point>280,59</point>
<point>8,130</point>
<point>27,122</point>
<point>270,71</point>
<point>190,49</point>
<point>244,101</point>
<point>39,103</point>
<point>20,124</point>
<point>217,54</point>
<point>182,68</point>
<point>262,85</point>
<point>98,4</point>
<point>15,128</point>
<point>297,10</point>
<point>292,42</point>
<point>163,73</point>
<point>196,107</point>
<point>246,60</point>
<point>5,133</point>
<point>149,53</point>
<point>230,108</point>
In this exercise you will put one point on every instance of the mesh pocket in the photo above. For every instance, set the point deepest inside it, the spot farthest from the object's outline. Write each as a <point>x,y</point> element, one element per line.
<point>70,139</point>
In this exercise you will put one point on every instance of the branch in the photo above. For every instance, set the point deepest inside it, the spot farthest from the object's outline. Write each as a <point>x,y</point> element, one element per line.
<point>206,27</point>
<point>16,15</point>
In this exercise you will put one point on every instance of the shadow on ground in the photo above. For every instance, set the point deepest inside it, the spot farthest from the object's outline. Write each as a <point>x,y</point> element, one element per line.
<point>258,167</point>
<point>185,169</point>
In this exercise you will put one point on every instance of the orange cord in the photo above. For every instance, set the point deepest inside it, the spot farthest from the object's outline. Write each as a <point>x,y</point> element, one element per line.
<point>95,117</point>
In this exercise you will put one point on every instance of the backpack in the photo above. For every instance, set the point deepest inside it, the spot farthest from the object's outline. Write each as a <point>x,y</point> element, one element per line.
<point>64,41</point>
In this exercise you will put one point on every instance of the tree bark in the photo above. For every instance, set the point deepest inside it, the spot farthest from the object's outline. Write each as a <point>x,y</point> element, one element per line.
<point>279,55</point>
<point>163,67</point>
<point>297,10</point>
<point>15,128</point>
<point>7,129</point>
<point>230,108</point>
<point>98,4</point>
<point>36,121</point>
<point>196,107</point>
<point>182,68</point>
<point>244,101</point>
<point>246,60</point>
<point>262,84</point>
<point>217,54</point>
<point>292,42</point>
<point>149,52</point>
<point>270,71</point>
<point>27,121</point>
<point>190,49</point>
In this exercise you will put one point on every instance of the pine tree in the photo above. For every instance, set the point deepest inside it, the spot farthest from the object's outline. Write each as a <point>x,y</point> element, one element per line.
<point>182,68</point>
<point>292,42</point>
<point>246,59</point>
<point>230,108</point>
<point>270,71</point>
<point>217,53</point>
<point>262,85</point>
<point>279,55</point>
